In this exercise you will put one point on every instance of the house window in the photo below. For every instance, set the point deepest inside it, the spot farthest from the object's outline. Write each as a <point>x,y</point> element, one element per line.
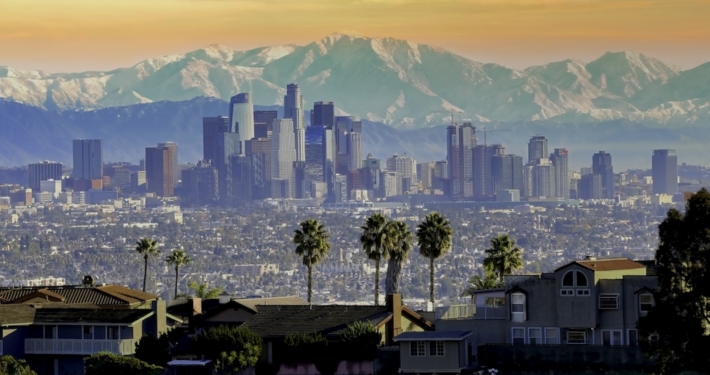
<point>50,332</point>
<point>552,336</point>
<point>495,302</point>
<point>436,348</point>
<point>417,349</point>
<point>608,302</point>
<point>632,337</point>
<point>568,279</point>
<point>611,337</point>
<point>574,279</point>
<point>518,335</point>
<point>112,333</point>
<point>576,337</point>
<point>583,292</point>
<point>581,279</point>
<point>567,292</point>
<point>645,303</point>
<point>88,332</point>
<point>534,336</point>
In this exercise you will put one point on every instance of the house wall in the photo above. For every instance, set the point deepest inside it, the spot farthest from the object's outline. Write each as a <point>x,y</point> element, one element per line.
<point>69,332</point>
<point>576,311</point>
<point>13,341</point>
<point>450,361</point>
<point>509,357</point>
<point>484,331</point>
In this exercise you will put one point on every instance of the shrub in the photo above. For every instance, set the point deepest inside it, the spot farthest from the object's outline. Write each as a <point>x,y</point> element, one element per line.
<point>11,366</point>
<point>105,363</point>
<point>360,341</point>
<point>231,348</point>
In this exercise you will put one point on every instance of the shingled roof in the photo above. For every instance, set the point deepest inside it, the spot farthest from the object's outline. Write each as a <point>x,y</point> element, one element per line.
<point>277,321</point>
<point>609,264</point>
<point>107,295</point>
<point>18,314</point>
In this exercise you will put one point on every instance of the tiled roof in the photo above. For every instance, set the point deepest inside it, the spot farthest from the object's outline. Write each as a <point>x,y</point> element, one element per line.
<point>253,303</point>
<point>109,295</point>
<point>610,264</point>
<point>116,316</point>
<point>273,320</point>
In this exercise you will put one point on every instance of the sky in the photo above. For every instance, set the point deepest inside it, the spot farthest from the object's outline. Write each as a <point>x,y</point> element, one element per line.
<point>80,35</point>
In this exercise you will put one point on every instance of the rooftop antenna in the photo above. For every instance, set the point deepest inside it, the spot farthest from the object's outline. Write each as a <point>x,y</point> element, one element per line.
<point>452,112</point>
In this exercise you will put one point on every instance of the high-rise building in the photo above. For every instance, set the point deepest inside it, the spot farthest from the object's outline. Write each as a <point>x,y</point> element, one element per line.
<point>88,159</point>
<point>283,152</point>
<point>211,128</point>
<point>259,150</point>
<point>371,174</point>
<point>460,142</point>
<point>173,159</point>
<point>590,187</point>
<point>227,146</point>
<point>315,156</point>
<point>537,149</point>
<point>263,123</point>
<point>507,172</point>
<point>160,170</point>
<point>323,114</point>
<point>543,179</point>
<point>293,109</point>
<point>482,171</point>
<point>665,172</point>
<point>560,160</point>
<point>330,154</point>
<point>406,169</point>
<point>355,151</point>
<point>241,118</point>
<point>43,171</point>
<point>348,147</point>
<point>601,165</point>
<point>426,174</point>
<point>200,183</point>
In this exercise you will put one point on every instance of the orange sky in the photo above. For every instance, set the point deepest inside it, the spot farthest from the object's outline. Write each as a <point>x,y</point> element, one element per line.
<point>73,35</point>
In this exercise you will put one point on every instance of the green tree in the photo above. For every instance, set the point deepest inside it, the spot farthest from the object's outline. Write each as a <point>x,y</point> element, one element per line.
<point>203,291</point>
<point>105,363</point>
<point>476,283</point>
<point>232,348</point>
<point>396,253</point>
<point>375,240</point>
<point>156,350</point>
<point>360,340</point>
<point>675,332</point>
<point>147,248</point>
<point>434,236</point>
<point>177,259</point>
<point>312,246</point>
<point>503,257</point>
<point>11,366</point>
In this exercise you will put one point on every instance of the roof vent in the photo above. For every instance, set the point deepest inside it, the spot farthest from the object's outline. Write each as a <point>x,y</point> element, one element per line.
<point>88,281</point>
<point>224,298</point>
<point>591,257</point>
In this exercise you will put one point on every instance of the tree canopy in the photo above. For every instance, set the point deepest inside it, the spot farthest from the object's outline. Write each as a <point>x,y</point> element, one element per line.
<point>232,348</point>
<point>434,237</point>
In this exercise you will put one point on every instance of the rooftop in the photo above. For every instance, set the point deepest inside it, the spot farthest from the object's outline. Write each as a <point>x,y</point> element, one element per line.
<point>107,295</point>
<point>609,264</point>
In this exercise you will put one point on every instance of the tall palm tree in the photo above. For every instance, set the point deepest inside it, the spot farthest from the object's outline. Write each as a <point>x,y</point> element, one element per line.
<point>396,253</point>
<point>374,240</point>
<point>177,258</point>
<point>503,257</point>
<point>312,245</point>
<point>488,281</point>
<point>203,291</point>
<point>434,239</point>
<point>147,248</point>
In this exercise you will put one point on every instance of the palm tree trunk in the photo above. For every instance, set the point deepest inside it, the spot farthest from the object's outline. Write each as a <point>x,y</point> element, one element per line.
<point>377,282</point>
<point>389,279</point>
<point>431,281</point>
<point>177,272</point>
<point>145,271</point>
<point>396,275</point>
<point>310,284</point>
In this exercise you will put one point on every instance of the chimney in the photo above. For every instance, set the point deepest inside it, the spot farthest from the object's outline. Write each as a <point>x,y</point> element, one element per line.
<point>196,306</point>
<point>161,319</point>
<point>591,257</point>
<point>394,306</point>
<point>224,298</point>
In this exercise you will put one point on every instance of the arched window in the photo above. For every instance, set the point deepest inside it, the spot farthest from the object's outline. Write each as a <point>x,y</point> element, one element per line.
<point>568,279</point>
<point>581,279</point>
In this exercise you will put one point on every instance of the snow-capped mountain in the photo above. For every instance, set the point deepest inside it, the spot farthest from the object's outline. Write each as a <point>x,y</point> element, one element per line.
<point>396,82</point>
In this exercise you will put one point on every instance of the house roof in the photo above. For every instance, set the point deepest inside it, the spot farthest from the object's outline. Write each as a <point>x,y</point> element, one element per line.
<point>609,264</point>
<point>15,314</point>
<point>107,295</point>
<point>273,320</point>
<point>433,336</point>
<point>253,303</point>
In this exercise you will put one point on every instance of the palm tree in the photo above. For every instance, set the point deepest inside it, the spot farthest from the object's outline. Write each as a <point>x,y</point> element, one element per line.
<point>203,291</point>
<point>374,240</point>
<point>147,248</point>
<point>396,253</point>
<point>488,281</point>
<point>177,258</point>
<point>434,240</point>
<point>503,257</point>
<point>312,245</point>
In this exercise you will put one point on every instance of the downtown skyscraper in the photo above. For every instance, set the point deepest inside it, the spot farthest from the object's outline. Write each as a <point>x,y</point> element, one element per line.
<point>560,161</point>
<point>460,142</point>
<point>283,155</point>
<point>293,110</point>
<point>212,127</point>
<point>241,119</point>
<point>537,148</point>
<point>601,165</point>
<point>323,114</point>
<point>88,159</point>
<point>160,170</point>
<point>665,171</point>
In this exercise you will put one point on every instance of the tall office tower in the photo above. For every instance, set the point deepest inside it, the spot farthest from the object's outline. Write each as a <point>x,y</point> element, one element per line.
<point>293,109</point>
<point>119,176</point>
<point>371,173</point>
<point>355,151</point>
<point>391,184</point>
<point>441,175</point>
<point>330,153</point>
<point>507,172</point>
<point>200,184</point>
<point>315,156</point>
<point>482,171</point>
<point>173,146</point>
<point>283,153</point>
<point>460,142</point>
<point>601,165</point>
<point>241,118</point>
<point>590,187</point>
<point>543,179</point>
<point>405,167</point>
<point>347,151</point>
<point>227,146</point>
<point>537,148</point>
<point>323,114</point>
<point>527,181</point>
<point>426,174</point>
<point>160,170</point>
<point>43,171</point>
<point>212,127</point>
<point>263,123</point>
<point>88,159</point>
<point>242,177</point>
<point>665,172</point>
<point>259,150</point>
<point>560,160</point>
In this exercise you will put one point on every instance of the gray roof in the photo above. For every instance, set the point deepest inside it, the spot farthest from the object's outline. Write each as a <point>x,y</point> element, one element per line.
<point>24,314</point>
<point>433,336</point>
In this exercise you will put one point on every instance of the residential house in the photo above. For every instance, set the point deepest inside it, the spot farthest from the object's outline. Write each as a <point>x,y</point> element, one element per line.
<point>438,352</point>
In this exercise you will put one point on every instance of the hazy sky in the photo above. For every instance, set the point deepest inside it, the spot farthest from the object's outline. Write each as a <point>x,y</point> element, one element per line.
<point>74,35</point>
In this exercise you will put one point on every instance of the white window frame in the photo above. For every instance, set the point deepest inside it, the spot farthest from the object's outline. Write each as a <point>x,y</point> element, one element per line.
<point>628,337</point>
<point>540,338</point>
<point>653,303</point>
<point>518,316</point>
<point>417,349</point>
<point>556,335</point>
<point>118,332</point>
<point>611,337</point>
<point>92,330</point>
<point>437,345</point>
<point>513,337</point>
<point>583,293</point>
<point>608,297</point>
<point>566,292</point>
<point>584,333</point>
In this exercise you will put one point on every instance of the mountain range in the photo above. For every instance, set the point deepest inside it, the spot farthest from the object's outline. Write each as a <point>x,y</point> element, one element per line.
<point>394,82</point>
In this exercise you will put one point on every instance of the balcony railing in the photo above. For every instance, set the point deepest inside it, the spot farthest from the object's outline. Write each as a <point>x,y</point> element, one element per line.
<point>0,347</point>
<point>82,347</point>
<point>456,312</point>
